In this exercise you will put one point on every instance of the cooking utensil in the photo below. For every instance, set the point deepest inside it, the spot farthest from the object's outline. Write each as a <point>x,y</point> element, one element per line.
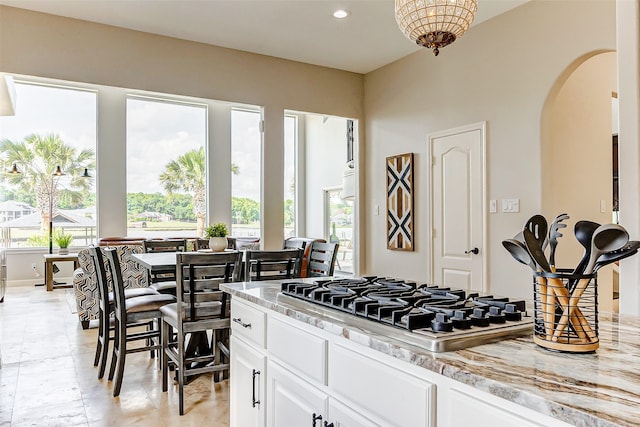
<point>519,237</point>
<point>553,287</point>
<point>558,290</point>
<point>532,244</point>
<point>584,232</point>
<point>519,252</point>
<point>538,226</point>
<point>606,238</point>
<point>629,249</point>
<point>554,234</point>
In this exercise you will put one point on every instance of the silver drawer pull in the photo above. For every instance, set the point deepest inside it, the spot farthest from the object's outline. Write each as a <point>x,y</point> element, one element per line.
<point>241,323</point>
<point>255,401</point>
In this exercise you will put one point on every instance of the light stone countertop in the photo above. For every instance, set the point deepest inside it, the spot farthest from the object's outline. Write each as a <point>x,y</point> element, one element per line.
<point>600,389</point>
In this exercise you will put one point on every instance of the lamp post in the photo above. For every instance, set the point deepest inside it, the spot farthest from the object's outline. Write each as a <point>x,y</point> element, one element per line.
<point>55,176</point>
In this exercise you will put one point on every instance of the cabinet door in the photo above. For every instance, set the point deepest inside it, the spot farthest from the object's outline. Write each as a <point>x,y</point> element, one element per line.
<point>293,401</point>
<point>343,416</point>
<point>247,384</point>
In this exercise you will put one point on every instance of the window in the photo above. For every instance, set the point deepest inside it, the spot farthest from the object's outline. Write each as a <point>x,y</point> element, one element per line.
<point>53,126</point>
<point>246,142</point>
<point>339,227</point>
<point>290,133</point>
<point>166,168</point>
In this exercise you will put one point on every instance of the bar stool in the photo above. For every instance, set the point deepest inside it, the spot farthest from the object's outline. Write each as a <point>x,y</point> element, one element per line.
<point>129,312</point>
<point>105,309</point>
<point>201,307</point>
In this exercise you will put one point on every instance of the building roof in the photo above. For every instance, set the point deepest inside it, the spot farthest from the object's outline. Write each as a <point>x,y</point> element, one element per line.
<point>62,218</point>
<point>15,206</point>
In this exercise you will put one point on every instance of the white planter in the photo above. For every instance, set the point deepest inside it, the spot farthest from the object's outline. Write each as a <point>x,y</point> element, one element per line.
<point>63,251</point>
<point>217,244</point>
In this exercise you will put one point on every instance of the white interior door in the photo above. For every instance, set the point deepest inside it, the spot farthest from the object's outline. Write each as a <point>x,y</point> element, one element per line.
<point>458,213</point>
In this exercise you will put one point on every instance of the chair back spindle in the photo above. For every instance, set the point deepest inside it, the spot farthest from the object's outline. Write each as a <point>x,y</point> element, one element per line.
<point>322,259</point>
<point>269,265</point>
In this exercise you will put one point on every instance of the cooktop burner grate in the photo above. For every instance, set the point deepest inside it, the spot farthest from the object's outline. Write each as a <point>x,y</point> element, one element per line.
<point>449,318</point>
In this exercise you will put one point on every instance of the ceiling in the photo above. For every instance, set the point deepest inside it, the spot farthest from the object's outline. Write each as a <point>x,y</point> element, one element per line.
<point>299,30</point>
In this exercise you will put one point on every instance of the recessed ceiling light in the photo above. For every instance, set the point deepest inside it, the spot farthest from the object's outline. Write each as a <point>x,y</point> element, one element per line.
<point>341,13</point>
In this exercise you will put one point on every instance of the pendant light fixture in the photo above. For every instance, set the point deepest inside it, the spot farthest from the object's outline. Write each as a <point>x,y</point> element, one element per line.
<point>435,23</point>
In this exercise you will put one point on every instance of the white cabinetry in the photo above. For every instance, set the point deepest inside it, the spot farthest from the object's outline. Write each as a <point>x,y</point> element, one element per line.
<point>309,377</point>
<point>247,384</point>
<point>460,405</point>
<point>383,391</point>
<point>248,366</point>
<point>343,416</point>
<point>293,401</point>
<point>307,373</point>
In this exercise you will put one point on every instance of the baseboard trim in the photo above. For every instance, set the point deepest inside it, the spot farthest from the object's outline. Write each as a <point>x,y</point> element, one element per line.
<point>35,281</point>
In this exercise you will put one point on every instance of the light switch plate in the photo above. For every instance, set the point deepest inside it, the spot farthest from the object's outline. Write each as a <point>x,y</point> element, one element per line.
<point>493,206</point>
<point>511,205</point>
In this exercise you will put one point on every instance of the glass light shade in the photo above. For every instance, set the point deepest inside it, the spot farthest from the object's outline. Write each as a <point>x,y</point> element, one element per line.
<point>435,23</point>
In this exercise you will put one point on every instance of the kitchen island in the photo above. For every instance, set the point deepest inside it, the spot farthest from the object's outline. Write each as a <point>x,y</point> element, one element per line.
<point>600,389</point>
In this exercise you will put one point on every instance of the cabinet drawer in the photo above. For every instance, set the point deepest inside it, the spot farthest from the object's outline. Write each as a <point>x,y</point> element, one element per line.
<point>480,409</point>
<point>248,322</point>
<point>298,349</point>
<point>380,389</point>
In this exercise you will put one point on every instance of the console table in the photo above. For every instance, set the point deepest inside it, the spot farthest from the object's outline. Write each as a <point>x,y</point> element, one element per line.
<point>49,259</point>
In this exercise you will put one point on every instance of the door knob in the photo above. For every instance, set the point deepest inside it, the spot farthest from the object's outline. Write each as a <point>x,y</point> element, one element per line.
<point>474,251</point>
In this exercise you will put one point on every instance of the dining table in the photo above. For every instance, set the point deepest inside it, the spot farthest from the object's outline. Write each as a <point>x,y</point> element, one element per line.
<point>157,262</point>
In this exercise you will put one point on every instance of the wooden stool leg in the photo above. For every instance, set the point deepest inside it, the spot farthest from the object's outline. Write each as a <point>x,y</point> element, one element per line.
<point>114,355</point>
<point>181,372</point>
<point>165,358</point>
<point>120,367</point>
<point>103,343</point>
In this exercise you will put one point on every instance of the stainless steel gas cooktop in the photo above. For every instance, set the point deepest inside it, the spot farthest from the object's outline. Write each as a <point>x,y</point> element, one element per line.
<point>435,318</point>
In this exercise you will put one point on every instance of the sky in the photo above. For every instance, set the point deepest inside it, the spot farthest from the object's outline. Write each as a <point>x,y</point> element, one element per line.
<point>157,132</point>
<point>44,110</point>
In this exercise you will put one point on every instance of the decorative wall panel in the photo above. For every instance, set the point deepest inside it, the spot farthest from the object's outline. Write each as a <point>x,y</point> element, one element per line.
<point>400,202</point>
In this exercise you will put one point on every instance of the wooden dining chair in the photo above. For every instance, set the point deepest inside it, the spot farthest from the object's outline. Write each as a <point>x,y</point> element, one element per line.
<point>130,312</point>
<point>269,265</point>
<point>201,308</point>
<point>168,245</point>
<point>164,282</point>
<point>106,305</point>
<point>322,259</point>
<point>201,244</point>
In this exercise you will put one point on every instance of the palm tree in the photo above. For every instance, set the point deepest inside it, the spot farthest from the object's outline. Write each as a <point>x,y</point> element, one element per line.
<point>187,174</point>
<point>40,155</point>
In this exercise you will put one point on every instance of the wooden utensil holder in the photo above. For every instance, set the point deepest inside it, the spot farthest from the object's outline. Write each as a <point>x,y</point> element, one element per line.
<point>561,324</point>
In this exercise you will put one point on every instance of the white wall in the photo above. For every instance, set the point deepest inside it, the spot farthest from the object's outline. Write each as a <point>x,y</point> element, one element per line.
<point>326,157</point>
<point>501,71</point>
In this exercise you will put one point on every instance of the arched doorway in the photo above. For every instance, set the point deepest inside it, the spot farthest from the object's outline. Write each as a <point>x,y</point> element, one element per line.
<point>576,132</point>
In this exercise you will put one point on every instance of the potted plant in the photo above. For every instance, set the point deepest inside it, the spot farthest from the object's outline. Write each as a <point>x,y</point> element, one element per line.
<point>63,240</point>
<point>217,235</point>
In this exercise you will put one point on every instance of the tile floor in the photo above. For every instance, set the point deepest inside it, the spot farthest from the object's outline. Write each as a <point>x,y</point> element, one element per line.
<point>48,379</point>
